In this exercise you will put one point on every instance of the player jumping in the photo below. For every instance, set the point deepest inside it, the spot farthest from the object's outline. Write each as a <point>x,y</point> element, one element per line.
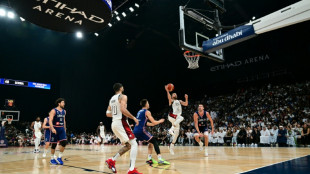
<point>175,116</point>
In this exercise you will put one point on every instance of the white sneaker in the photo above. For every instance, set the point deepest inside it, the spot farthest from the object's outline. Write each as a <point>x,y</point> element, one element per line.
<point>201,146</point>
<point>171,132</point>
<point>44,155</point>
<point>171,149</point>
<point>243,145</point>
<point>206,154</point>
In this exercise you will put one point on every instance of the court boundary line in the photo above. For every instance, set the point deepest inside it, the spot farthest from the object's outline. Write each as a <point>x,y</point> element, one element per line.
<point>272,164</point>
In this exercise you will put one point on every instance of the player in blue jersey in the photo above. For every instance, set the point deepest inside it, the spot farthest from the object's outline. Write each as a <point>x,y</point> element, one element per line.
<point>57,122</point>
<point>143,135</point>
<point>200,119</point>
<point>47,135</point>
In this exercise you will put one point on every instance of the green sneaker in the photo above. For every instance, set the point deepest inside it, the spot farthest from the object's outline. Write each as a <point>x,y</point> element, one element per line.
<point>152,161</point>
<point>163,162</point>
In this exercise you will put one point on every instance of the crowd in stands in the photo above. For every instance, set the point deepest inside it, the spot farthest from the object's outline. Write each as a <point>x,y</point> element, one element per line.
<point>272,115</point>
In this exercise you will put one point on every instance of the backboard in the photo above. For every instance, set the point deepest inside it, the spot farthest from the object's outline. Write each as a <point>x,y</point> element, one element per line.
<point>6,114</point>
<point>195,28</point>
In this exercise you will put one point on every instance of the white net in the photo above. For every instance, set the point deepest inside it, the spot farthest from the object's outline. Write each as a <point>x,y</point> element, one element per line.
<point>192,59</point>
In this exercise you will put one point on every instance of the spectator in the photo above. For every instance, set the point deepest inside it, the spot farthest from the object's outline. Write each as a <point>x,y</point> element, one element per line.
<point>305,134</point>
<point>264,137</point>
<point>234,138</point>
<point>255,137</point>
<point>273,135</point>
<point>290,137</point>
<point>282,137</point>
<point>248,136</point>
<point>242,137</point>
<point>221,136</point>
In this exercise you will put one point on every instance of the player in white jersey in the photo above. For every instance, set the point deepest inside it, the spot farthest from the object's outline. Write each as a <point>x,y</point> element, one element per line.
<point>175,116</point>
<point>36,127</point>
<point>101,134</point>
<point>117,109</point>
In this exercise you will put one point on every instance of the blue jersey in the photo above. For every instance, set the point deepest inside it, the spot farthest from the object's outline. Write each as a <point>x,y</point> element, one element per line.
<point>59,118</point>
<point>48,121</point>
<point>202,120</point>
<point>141,116</point>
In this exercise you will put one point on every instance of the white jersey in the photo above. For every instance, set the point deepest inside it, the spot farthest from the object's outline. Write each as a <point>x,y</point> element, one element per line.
<point>116,108</point>
<point>176,107</point>
<point>37,126</point>
<point>101,129</point>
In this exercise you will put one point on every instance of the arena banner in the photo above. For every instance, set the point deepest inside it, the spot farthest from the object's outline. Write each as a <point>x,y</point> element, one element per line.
<point>65,15</point>
<point>239,63</point>
<point>232,37</point>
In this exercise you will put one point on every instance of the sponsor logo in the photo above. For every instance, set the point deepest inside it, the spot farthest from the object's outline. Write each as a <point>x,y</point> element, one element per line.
<point>65,15</point>
<point>239,63</point>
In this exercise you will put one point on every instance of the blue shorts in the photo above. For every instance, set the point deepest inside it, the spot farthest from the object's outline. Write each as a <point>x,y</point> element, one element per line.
<point>47,136</point>
<point>202,130</point>
<point>59,136</point>
<point>143,135</point>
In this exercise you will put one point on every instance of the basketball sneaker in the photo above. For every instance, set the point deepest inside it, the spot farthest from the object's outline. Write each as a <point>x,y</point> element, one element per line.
<point>151,161</point>
<point>134,171</point>
<point>111,165</point>
<point>206,154</point>
<point>163,162</point>
<point>53,162</point>
<point>44,155</point>
<point>200,146</point>
<point>59,161</point>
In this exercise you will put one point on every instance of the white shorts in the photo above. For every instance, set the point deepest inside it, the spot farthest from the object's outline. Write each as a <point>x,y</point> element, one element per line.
<point>38,134</point>
<point>205,133</point>
<point>102,135</point>
<point>122,131</point>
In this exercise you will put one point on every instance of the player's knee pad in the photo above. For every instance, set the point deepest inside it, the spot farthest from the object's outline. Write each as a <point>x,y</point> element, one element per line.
<point>54,146</point>
<point>63,143</point>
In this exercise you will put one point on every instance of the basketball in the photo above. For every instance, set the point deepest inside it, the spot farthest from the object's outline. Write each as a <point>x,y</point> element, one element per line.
<point>170,87</point>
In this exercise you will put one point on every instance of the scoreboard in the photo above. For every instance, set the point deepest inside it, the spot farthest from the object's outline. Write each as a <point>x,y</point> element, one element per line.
<point>21,83</point>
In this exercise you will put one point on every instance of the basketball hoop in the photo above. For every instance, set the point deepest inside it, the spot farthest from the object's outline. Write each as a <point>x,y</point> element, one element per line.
<point>10,121</point>
<point>192,59</point>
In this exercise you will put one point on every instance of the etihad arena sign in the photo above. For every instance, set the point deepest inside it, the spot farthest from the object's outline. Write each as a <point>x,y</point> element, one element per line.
<point>65,15</point>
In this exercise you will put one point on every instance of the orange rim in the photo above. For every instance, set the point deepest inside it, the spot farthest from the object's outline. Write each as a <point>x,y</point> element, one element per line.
<point>187,52</point>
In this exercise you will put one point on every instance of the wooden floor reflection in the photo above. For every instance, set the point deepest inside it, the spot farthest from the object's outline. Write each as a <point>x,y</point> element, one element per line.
<point>187,159</point>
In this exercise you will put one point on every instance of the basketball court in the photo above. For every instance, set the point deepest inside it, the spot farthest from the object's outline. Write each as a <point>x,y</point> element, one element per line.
<point>187,159</point>
<point>200,36</point>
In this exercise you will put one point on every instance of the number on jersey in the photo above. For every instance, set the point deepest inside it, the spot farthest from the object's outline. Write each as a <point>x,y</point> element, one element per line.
<point>114,110</point>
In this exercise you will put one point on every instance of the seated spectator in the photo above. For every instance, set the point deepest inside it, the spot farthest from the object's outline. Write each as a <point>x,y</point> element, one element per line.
<point>255,137</point>
<point>282,139</point>
<point>305,135</point>
<point>228,137</point>
<point>221,136</point>
<point>273,135</point>
<point>248,136</point>
<point>264,137</point>
<point>241,139</point>
<point>234,138</point>
<point>290,137</point>
<point>215,138</point>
